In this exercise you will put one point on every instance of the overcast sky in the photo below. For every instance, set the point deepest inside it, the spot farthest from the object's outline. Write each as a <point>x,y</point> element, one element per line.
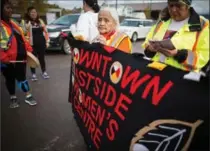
<point>69,4</point>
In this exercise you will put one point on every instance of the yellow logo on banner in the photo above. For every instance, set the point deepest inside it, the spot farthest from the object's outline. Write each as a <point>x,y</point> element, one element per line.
<point>157,65</point>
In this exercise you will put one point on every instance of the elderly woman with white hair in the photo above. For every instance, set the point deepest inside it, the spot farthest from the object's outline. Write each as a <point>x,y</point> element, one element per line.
<point>108,23</point>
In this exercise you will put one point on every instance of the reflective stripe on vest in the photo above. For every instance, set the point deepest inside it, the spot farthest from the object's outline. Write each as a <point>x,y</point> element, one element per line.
<point>117,39</point>
<point>6,37</point>
<point>4,33</point>
<point>159,24</point>
<point>130,47</point>
<point>23,25</point>
<point>162,56</point>
<point>192,56</point>
<point>191,60</point>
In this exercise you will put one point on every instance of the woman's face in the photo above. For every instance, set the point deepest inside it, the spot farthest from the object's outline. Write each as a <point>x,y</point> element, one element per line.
<point>33,14</point>
<point>106,23</point>
<point>178,11</point>
<point>7,10</point>
<point>85,6</point>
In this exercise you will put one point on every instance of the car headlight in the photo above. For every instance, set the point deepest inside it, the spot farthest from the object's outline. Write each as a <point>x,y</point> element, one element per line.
<point>54,34</point>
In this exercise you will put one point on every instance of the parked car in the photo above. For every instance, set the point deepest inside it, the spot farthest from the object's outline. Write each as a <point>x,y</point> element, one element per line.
<point>62,24</point>
<point>136,28</point>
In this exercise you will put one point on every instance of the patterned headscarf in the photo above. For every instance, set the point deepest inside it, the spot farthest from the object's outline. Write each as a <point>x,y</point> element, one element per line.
<point>187,2</point>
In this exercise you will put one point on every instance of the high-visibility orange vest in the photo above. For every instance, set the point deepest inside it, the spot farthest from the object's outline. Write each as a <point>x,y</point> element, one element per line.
<point>8,44</point>
<point>120,41</point>
<point>6,33</point>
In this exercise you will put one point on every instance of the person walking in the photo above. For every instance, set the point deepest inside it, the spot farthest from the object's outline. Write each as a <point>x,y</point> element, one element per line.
<point>37,35</point>
<point>13,55</point>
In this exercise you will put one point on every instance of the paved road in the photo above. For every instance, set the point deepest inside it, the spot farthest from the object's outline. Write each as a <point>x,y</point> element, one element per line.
<point>137,47</point>
<point>50,125</point>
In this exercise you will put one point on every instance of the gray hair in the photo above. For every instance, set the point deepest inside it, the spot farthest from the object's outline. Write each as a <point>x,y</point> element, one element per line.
<point>113,12</point>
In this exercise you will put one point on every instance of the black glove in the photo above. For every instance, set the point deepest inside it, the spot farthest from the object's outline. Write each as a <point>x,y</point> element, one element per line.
<point>71,40</point>
<point>137,55</point>
<point>181,55</point>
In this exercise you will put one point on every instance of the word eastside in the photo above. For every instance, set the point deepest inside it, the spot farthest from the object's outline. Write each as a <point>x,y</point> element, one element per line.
<point>133,80</point>
<point>103,91</point>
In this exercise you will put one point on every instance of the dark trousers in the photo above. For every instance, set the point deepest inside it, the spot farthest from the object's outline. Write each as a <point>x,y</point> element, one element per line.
<point>39,52</point>
<point>14,72</point>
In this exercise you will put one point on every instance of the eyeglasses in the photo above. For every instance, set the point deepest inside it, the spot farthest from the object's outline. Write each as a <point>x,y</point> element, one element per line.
<point>177,5</point>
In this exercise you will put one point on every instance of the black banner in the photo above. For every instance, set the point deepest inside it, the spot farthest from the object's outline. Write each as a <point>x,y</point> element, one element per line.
<point>121,104</point>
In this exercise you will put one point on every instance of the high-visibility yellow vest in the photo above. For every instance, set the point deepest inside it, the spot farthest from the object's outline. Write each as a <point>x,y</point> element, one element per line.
<point>6,34</point>
<point>197,44</point>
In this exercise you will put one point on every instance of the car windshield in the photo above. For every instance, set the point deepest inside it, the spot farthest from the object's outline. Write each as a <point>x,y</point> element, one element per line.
<point>130,23</point>
<point>66,20</point>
